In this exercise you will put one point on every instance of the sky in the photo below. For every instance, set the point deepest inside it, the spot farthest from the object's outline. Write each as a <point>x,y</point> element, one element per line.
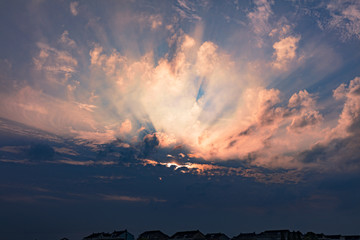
<point>223,116</point>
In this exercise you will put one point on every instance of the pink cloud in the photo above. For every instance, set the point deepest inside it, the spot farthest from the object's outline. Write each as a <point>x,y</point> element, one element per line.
<point>350,116</point>
<point>125,127</point>
<point>285,52</point>
<point>200,98</point>
<point>74,8</point>
<point>58,65</point>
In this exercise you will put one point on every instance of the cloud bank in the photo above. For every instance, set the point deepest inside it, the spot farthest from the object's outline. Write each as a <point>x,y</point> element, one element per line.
<point>192,92</point>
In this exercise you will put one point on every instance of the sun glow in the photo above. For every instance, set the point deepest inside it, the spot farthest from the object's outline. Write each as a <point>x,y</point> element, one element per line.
<point>180,89</point>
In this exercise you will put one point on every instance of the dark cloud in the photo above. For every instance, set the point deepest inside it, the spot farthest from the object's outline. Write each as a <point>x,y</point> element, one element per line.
<point>248,131</point>
<point>41,152</point>
<point>146,191</point>
<point>316,154</point>
<point>144,71</point>
<point>339,154</point>
<point>150,142</point>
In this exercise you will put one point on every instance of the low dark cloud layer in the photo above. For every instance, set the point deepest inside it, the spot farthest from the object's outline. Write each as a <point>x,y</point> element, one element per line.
<point>68,179</point>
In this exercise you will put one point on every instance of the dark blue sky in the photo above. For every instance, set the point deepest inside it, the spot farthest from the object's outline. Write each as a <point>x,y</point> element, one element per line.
<point>232,116</point>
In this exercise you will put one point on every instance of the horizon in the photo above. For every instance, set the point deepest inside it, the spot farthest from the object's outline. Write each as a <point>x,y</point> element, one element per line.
<point>183,114</point>
<point>193,230</point>
<point>171,236</point>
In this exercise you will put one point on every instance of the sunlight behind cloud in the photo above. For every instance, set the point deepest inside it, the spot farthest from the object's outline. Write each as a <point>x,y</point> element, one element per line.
<point>181,89</point>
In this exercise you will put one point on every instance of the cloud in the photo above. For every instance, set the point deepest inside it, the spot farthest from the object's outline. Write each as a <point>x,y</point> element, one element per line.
<point>187,10</point>
<point>156,21</point>
<point>150,142</point>
<point>12,149</point>
<point>349,121</point>
<point>166,140</point>
<point>309,118</point>
<point>84,163</point>
<point>225,169</point>
<point>41,152</point>
<point>303,98</point>
<point>130,198</point>
<point>206,58</point>
<point>122,72</point>
<point>282,30</point>
<point>64,39</point>
<point>35,108</point>
<point>285,52</point>
<point>65,150</point>
<point>87,107</point>
<point>25,161</point>
<point>345,17</point>
<point>259,18</point>
<point>30,199</point>
<point>94,137</point>
<point>149,112</point>
<point>74,8</point>
<point>200,102</point>
<point>337,149</point>
<point>196,95</point>
<point>265,112</point>
<point>271,133</point>
<point>340,92</point>
<point>339,155</point>
<point>58,66</point>
<point>125,127</point>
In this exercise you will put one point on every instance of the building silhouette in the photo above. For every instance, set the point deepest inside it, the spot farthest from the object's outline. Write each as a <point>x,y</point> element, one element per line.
<point>197,235</point>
